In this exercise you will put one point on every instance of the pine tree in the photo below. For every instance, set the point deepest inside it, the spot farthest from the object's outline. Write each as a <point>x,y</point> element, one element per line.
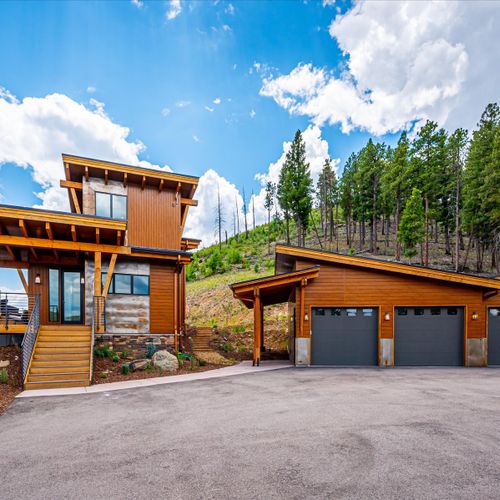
<point>347,193</point>
<point>412,225</point>
<point>284,193</point>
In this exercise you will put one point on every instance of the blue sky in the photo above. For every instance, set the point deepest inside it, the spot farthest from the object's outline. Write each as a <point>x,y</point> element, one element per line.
<point>216,88</point>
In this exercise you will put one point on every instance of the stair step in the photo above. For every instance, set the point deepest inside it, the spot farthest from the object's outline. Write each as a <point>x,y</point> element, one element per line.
<point>56,385</point>
<point>63,343</point>
<point>40,363</point>
<point>44,328</point>
<point>55,376</point>
<point>51,356</point>
<point>59,369</point>
<point>48,337</point>
<point>62,350</point>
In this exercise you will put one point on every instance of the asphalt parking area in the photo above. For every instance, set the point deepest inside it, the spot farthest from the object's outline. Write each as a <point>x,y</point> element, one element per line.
<point>294,433</point>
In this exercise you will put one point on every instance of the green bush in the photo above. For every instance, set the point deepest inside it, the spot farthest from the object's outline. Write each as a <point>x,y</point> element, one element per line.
<point>103,375</point>
<point>125,369</point>
<point>124,354</point>
<point>116,358</point>
<point>227,347</point>
<point>239,329</point>
<point>234,256</point>
<point>150,350</point>
<point>4,376</point>
<point>256,268</point>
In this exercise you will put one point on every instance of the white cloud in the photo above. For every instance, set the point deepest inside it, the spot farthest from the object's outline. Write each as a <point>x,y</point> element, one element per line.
<point>137,3</point>
<point>209,109</point>
<point>91,89</point>
<point>216,100</point>
<point>35,131</point>
<point>165,111</point>
<point>252,113</point>
<point>226,27</point>
<point>405,61</point>
<point>182,104</point>
<point>230,9</point>
<point>328,3</point>
<point>174,9</point>
<point>196,138</point>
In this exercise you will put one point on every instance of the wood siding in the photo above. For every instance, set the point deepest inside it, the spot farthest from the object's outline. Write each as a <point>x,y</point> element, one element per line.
<point>153,218</point>
<point>42,289</point>
<point>344,286</point>
<point>161,299</point>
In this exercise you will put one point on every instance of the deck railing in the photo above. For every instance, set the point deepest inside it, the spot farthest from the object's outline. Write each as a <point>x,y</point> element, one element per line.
<point>15,308</point>
<point>98,326</point>
<point>30,336</point>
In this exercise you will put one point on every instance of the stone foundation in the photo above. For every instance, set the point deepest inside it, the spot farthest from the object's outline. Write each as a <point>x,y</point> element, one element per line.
<point>136,346</point>
<point>385,352</point>
<point>477,352</point>
<point>302,351</point>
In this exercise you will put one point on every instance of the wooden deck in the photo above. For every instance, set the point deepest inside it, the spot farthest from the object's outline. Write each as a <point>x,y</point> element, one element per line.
<point>13,329</point>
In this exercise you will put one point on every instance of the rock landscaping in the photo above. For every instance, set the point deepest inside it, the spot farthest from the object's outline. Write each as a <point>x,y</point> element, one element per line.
<point>10,375</point>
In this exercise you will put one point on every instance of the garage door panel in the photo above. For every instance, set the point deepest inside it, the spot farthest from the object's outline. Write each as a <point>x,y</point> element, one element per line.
<point>494,336</point>
<point>344,336</point>
<point>428,336</point>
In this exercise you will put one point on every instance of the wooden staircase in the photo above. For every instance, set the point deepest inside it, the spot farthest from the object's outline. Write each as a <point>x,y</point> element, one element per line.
<point>201,341</point>
<point>61,357</point>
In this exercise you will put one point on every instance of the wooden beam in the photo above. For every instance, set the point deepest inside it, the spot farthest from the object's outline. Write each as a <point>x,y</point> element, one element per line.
<point>118,238</point>
<point>143,183</point>
<point>125,175</point>
<point>24,230</point>
<point>161,185</point>
<point>257,325</point>
<point>489,294</point>
<point>97,273</point>
<point>48,228</point>
<point>97,235</point>
<point>66,171</point>
<point>86,173</point>
<point>301,320</point>
<point>13,264</point>
<point>73,233</point>
<point>10,251</point>
<point>29,214</point>
<point>71,184</point>
<point>189,202</point>
<point>76,203</point>
<point>106,175</point>
<point>109,274</point>
<point>23,279</point>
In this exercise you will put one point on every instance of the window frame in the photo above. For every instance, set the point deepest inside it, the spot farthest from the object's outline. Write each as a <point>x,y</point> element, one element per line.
<point>111,195</point>
<point>112,291</point>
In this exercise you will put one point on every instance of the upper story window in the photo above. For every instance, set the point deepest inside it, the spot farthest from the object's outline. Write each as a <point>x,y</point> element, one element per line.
<point>112,206</point>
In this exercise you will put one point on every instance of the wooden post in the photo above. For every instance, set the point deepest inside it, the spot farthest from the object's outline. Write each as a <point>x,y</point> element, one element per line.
<point>176,288</point>
<point>301,320</point>
<point>257,326</point>
<point>262,348</point>
<point>97,289</point>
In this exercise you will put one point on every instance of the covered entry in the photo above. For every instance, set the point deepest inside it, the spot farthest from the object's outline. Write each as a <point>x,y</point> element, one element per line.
<point>277,289</point>
<point>494,336</point>
<point>429,336</point>
<point>345,336</point>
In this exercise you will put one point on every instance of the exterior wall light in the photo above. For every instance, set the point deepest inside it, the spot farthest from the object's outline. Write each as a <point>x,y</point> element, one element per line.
<point>37,279</point>
<point>475,315</point>
<point>82,280</point>
<point>306,317</point>
<point>387,316</point>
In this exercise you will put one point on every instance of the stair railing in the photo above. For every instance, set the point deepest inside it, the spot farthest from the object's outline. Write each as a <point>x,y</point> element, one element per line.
<point>30,337</point>
<point>98,326</point>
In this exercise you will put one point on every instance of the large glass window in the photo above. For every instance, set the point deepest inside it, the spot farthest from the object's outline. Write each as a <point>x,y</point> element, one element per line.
<point>140,285</point>
<point>54,284</point>
<point>122,283</point>
<point>112,206</point>
<point>127,284</point>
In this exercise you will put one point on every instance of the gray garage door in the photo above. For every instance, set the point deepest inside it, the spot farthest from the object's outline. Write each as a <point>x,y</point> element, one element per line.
<point>344,336</point>
<point>494,336</point>
<point>429,336</point>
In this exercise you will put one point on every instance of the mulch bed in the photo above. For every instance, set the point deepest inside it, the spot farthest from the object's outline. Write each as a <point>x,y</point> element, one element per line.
<point>115,371</point>
<point>9,390</point>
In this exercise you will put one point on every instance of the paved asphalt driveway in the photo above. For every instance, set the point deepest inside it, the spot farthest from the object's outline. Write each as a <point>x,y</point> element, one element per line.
<point>294,433</point>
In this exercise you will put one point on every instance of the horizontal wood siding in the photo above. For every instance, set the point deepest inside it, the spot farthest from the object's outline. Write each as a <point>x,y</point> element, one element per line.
<point>42,289</point>
<point>161,298</point>
<point>343,286</point>
<point>153,218</point>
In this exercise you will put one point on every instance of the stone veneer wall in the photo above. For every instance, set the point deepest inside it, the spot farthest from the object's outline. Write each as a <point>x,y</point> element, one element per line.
<point>136,346</point>
<point>125,314</point>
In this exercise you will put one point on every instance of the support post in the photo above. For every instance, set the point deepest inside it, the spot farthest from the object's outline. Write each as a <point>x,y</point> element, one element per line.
<point>301,321</point>
<point>257,326</point>
<point>262,348</point>
<point>97,289</point>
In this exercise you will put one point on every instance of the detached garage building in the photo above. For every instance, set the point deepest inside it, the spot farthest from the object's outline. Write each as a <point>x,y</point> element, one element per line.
<point>357,311</point>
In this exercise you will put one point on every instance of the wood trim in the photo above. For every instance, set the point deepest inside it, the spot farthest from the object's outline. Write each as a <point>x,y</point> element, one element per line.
<point>119,167</point>
<point>125,175</point>
<point>61,218</point>
<point>48,228</point>
<point>388,266</point>
<point>189,202</point>
<point>71,184</point>
<point>97,273</point>
<point>109,274</point>
<point>14,264</point>
<point>23,279</point>
<point>76,203</point>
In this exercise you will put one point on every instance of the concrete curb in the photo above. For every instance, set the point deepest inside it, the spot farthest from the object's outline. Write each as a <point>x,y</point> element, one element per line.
<point>242,368</point>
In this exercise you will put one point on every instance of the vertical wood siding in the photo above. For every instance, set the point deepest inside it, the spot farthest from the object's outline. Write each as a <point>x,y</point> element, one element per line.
<point>161,298</point>
<point>42,289</point>
<point>153,218</point>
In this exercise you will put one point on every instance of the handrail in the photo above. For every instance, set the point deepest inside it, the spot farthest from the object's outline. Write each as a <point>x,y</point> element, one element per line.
<point>30,338</point>
<point>15,308</point>
<point>98,325</point>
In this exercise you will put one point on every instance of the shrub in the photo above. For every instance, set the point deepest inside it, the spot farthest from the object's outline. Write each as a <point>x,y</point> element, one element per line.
<point>116,358</point>
<point>256,268</point>
<point>4,376</point>
<point>234,256</point>
<point>150,350</point>
<point>103,375</point>
<point>124,354</point>
<point>239,329</point>
<point>125,369</point>
<point>227,347</point>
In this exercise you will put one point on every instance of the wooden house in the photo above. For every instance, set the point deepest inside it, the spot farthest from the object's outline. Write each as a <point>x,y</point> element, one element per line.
<point>114,265</point>
<point>357,311</point>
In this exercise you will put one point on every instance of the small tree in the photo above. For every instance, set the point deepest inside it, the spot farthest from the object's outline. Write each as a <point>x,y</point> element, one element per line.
<point>412,225</point>
<point>268,205</point>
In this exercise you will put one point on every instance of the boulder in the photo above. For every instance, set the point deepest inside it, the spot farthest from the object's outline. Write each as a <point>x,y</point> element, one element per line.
<point>139,364</point>
<point>4,364</point>
<point>165,361</point>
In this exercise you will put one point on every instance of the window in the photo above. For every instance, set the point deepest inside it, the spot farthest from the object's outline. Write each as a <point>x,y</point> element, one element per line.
<point>351,313</point>
<point>335,312</point>
<point>494,312</point>
<point>435,311</point>
<point>319,312</point>
<point>127,284</point>
<point>402,311</point>
<point>367,312</point>
<point>112,206</point>
<point>452,311</point>
<point>53,294</point>
<point>419,311</point>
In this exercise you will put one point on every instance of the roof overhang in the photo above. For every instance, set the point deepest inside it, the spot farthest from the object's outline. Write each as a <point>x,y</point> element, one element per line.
<point>273,289</point>
<point>286,256</point>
